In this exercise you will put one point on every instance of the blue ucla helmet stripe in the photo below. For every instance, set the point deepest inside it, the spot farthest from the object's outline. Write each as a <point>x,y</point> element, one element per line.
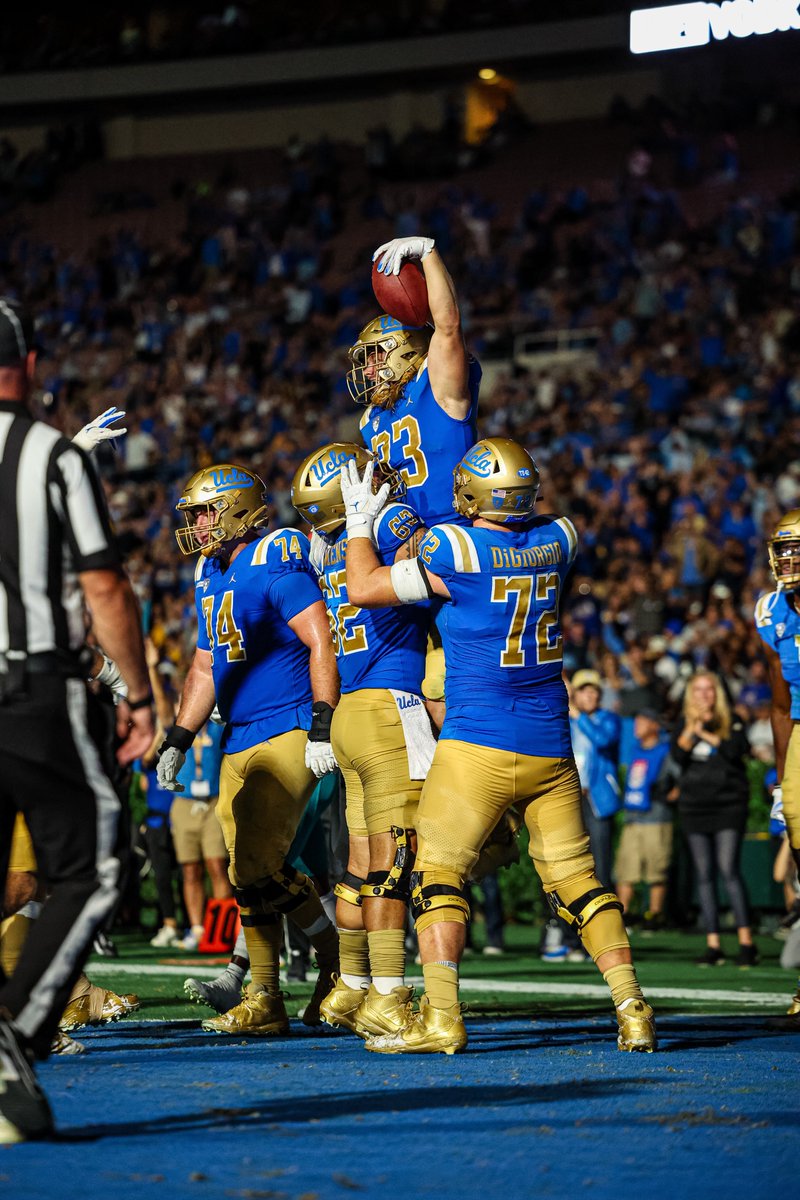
<point>465,556</point>
<point>569,529</point>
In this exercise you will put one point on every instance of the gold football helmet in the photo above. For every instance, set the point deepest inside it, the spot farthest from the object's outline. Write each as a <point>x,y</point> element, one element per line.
<point>317,489</point>
<point>784,550</point>
<point>232,500</point>
<point>396,352</point>
<point>497,480</point>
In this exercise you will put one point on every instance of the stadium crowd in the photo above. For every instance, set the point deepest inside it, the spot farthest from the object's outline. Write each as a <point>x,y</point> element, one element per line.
<point>673,446</point>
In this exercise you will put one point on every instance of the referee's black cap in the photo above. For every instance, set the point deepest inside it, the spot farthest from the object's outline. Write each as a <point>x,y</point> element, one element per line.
<point>16,332</point>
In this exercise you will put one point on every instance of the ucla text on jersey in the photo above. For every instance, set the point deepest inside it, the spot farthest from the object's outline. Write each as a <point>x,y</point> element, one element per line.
<point>420,440</point>
<point>501,633</point>
<point>778,625</point>
<point>260,666</point>
<point>381,647</point>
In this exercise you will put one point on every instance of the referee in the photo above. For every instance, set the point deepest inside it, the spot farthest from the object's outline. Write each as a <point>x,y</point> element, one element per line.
<point>57,557</point>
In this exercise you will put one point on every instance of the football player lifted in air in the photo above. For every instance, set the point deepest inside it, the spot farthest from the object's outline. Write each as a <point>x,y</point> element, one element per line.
<point>777,616</point>
<point>382,740</point>
<point>264,656</point>
<point>421,390</point>
<point>419,384</point>
<point>506,735</point>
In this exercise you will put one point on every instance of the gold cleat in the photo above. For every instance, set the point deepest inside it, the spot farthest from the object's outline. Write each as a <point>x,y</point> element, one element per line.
<point>429,1031</point>
<point>97,1006</point>
<point>381,1014</point>
<point>637,1026</point>
<point>340,1005</point>
<point>260,1014</point>
<point>794,1008</point>
<point>62,1043</point>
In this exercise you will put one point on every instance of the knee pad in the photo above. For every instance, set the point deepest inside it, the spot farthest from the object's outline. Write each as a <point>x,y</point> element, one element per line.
<point>580,911</point>
<point>437,896</point>
<point>251,910</point>
<point>252,918</point>
<point>349,888</point>
<point>394,884</point>
<point>285,890</point>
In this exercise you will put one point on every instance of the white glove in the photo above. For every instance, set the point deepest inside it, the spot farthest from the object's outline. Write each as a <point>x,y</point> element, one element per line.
<point>169,764</point>
<point>320,758</point>
<point>98,430</point>
<point>777,818</point>
<point>393,254</point>
<point>361,504</point>
<point>109,674</point>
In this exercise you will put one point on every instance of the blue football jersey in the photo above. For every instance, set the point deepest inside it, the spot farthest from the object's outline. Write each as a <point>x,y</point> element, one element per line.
<point>424,444</point>
<point>778,625</point>
<point>501,633</point>
<point>379,647</point>
<point>260,667</point>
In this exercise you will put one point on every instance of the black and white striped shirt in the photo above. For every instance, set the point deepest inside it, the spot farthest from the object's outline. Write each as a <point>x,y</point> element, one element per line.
<point>53,525</point>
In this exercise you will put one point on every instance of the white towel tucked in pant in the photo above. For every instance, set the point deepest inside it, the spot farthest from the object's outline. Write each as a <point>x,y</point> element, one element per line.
<point>420,742</point>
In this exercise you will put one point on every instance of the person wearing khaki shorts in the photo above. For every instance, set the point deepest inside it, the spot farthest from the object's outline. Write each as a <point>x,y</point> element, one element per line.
<point>645,849</point>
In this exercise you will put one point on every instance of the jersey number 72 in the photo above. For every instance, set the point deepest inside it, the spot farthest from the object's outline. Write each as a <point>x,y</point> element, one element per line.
<point>522,589</point>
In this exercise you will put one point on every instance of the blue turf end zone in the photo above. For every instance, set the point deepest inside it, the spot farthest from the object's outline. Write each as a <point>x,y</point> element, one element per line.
<point>543,1108</point>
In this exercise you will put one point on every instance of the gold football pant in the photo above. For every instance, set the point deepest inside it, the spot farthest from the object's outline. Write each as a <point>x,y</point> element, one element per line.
<point>370,748</point>
<point>262,794</point>
<point>791,788</point>
<point>468,790</point>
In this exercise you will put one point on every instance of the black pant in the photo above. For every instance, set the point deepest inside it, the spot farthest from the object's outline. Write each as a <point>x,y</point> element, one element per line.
<point>714,853</point>
<point>158,839</point>
<point>50,772</point>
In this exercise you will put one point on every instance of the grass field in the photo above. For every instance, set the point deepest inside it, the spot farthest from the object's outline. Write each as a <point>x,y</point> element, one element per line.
<point>541,1104</point>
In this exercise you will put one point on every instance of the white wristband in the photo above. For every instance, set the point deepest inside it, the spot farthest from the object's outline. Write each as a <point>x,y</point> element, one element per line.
<point>359,525</point>
<point>409,582</point>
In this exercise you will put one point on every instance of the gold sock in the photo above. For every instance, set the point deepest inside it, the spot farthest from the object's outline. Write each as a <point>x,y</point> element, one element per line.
<point>441,984</point>
<point>387,952</point>
<point>354,952</point>
<point>13,932</point>
<point>623,984</point>
<point>81,988</point>
<point>264,948</point>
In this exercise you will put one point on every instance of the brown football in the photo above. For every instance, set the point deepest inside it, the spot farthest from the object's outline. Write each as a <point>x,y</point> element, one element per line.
<point>403,296</point>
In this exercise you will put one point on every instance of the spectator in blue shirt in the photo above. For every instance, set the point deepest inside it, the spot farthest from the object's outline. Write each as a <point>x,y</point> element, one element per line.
<point>595,744</point>
<point>645,848</point>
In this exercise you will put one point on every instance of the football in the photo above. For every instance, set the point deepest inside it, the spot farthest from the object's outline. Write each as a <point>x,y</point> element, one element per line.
<point>403,296</point>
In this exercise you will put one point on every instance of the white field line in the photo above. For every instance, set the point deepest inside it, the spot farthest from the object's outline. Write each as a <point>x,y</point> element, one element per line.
<point>533,987</point>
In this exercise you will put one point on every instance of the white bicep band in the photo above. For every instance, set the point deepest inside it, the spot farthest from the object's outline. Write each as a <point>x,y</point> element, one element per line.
<point>409,581</point>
